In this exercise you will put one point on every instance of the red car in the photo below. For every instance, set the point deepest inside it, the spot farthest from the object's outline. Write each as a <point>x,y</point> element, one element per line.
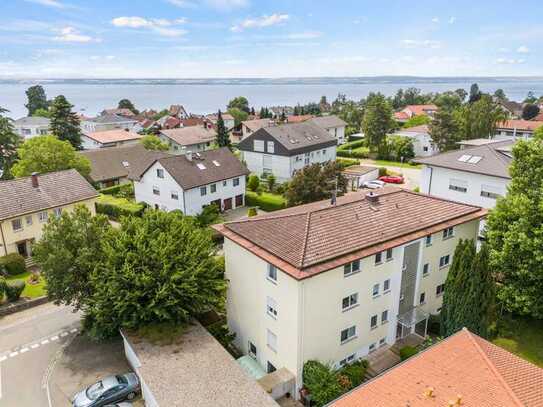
<point>392,179</point>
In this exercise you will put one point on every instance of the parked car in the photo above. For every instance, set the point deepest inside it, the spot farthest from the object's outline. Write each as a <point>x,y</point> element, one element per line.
<point>373,184</point>
<point>108,390</point>
<point>123,404</point>
<point>392,179</point>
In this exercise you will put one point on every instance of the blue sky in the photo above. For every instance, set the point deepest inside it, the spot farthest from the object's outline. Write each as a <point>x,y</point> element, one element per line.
<point>251,38</point>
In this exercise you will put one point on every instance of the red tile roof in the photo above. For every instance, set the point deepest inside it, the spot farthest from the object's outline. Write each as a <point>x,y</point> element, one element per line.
<point>423,128</point>
<point>299,118</point>
<point>520,124</point>
<point>538,118</point>
<point>113,136</point>
<point>462,366</point>
<point>401,116</point>
<point>309,239</point>
<point>420,109</point>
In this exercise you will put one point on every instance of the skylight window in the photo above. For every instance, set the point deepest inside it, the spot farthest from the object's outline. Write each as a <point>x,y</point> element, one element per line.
<point>201,166</point>
<point>474,159</point>
<point>216,163</point>
<point>126,164</point>
<point>464,158</point>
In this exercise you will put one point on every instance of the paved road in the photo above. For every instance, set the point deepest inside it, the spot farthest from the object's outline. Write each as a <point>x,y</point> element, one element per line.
<point>411,175</point>
<point>30,344</point>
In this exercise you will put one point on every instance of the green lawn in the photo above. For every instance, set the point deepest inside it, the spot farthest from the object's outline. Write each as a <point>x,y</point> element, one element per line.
<point>265,201</point>
<point>121,202</point>
<point>386,163</point>
<point>523,337</point>
<point>31,290</point>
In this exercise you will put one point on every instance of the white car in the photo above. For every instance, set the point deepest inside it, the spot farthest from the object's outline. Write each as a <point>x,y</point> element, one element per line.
<point>375,184</point>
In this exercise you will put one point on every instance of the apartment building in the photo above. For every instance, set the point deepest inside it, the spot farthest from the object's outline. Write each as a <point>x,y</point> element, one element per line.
<point>337,282</point>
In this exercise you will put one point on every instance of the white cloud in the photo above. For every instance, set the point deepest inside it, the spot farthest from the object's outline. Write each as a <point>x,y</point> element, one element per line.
<point>523,49</point>
<point>435,20</point>
<point>264,21</point>
<point>48,3</point>
<point>70,34</point>
<point>509,61</point>
<point>421,44</point>
<point>159,25</point>
<point>216,4</point>
<point>452,20</point>
<point>307,35</point>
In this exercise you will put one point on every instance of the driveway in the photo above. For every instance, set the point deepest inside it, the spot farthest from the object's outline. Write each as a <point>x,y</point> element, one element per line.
<point>411,175</point>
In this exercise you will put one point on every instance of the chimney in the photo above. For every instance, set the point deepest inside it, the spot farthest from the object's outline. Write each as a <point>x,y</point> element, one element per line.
<point>34,178</point>
<point>372,198</point>
<point>188,154</point>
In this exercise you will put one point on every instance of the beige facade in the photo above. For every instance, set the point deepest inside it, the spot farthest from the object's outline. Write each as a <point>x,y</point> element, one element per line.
<point>19,233</point>
<point>290,321</point>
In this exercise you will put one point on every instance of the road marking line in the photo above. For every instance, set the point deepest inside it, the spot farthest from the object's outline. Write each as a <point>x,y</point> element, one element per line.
<point>35,345</point>
<point>13,354</point>
<point>45,342</point>
<point>54,338</point>
<point>23,350</point>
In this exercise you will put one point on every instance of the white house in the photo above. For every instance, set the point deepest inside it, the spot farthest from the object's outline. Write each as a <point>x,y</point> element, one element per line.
<point>517,129</point>
<point>228,119</point>
<point>336,282</point>
<point>107,122</point>
<point>191,181</point>
<point>282,149</point>
<point>475,175</point>
<point>191,138</point>
<point>422,141</point>
<point>28,127</point>
<point>109,138</point>
<point>333,125</point>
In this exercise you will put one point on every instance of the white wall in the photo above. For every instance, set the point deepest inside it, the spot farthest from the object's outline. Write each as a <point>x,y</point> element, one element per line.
<point>178,149</point>
<point>440,180</point>
<point>28,132</point>
<point>338,133</point>
<point>421,141</point>
<point>190,201</point>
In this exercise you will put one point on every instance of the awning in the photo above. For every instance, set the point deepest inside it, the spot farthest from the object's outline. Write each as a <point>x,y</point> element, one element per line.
<point>412,317</point>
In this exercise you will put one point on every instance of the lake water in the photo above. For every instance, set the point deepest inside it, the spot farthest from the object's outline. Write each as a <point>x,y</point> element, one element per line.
<point>208,95</point>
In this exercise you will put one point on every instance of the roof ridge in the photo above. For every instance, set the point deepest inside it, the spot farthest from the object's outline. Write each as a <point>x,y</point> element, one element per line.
<point>306,238</point>
<point>491,366</point>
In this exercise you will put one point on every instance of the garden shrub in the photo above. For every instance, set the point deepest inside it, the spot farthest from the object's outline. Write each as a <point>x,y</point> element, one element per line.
<point>346,162</point>
<point>355,372</point>
<point>352,145</point>
<point>253,183</point>
<point>121,190</point>
<point>407,351</point>
<point>13,264</point>
<point>251,212</point>
<point>383,171</point>
<point>14,289</point>
<point>434,324</point>
<point>210,215</point>
<point>265,201</point>
<point>117,207</point>
<point>361,152</point>
<point>322,382</point>
<point>3,285</point>
<point>271,181</point>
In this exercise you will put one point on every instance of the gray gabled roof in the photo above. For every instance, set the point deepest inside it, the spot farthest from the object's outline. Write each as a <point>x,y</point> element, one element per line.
<point>494,159</point>
<point>111,118</point>
<point>328,122</point>
<point>32,121</point>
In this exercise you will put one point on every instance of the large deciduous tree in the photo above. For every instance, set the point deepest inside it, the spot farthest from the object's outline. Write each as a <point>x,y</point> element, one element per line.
<point>37,99</point>
<point>44,154</point>
<point>155,269</point>
<point>480,118</point>
<point>127,104</point>
<point>9,141</point>
<point>444,130</point>
<point>515,232</point>
<point>238,115</point>
<point>152,142</point>
<point>223,139</point>
<point>529,111</point>
<point>240,103</point>
<point>474,93</point>
<point>65,123</point>
<point>377,122</point>
<point>69,252</point>
<point>315,182</point>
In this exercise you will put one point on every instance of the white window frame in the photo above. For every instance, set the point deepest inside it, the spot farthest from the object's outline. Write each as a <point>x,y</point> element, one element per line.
<point>372,325</point>
<point>389,254</point>
<point>426,269</point>
<point>43,216</point>
<point>271,273</point>
<point>352,301</point>
<point>17,224</point>
<point>440,289</point>
<point>270,145</point>
<point>271,307</point>
<point>258,145</point>
<point>156,190</point>
<point>422,298</point>
<point>57,212</point>
<point>384,317</point>
<point>385,283</point>
<point>375,290</point>
<point>444,261</point>
<point>235,182</point>
<point>428,240</point>
<point>212,188</point>
<point>28,220</point>
<point>378,258</point>
<point>351,268</point>
<point>271,341</point>
<point>203,190</point>
<point>350,334</point>
<point>448,233</point>
<point>160,173</point>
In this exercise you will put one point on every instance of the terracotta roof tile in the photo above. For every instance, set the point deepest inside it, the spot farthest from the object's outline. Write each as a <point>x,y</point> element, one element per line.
<point>112,136</point>
<point>520,125</point>
<point>463,365</point>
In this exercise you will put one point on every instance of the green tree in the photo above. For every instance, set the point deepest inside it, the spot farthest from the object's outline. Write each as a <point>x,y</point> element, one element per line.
<point>462,94</point>
<point>515,232</point>
<point>156,269</point>
<point>42,113</point>
<point>239,115</point>
<point>474,93</point>
<point>417,121</point>
<point>500,95</point>
<point>223,139</point>
<point>400,148</point>
<point>127,104</point>
<point>69,252</point>
<point>240,103</point>
<point>480,118</point>
<point>45,154</point>
<point>315,182</point>
<point>444,130</point>
<point>36,99</point>
<point>271,181</point>
<point>253,183</point>
<point>377,122</point>
<point>152,142</point>
<point>529,111</point>
<point>65,123</point>
<point>448,100</point>
<point>530,98</point>
<point>9,142</point>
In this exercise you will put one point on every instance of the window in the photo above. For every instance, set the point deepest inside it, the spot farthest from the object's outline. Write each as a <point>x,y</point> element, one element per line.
<point>347,360</point>
<point>324,152</point>
<point>29,220</point>
<point>449,232</point>
<point>382,341</point>
<point>272,273</point>
<point>389,254</point>
<point>174,195</point>
<point>384,317</point>
<point>440,289</point>
<point>271,147</point>
<point>17,224</point>
<point>425,148</point>
<point>156,191</point>
<point>349,302</point>
<point>375,290</point>
<point>351,268</point>
<point>373,347</point>
<point>489,191</point>
<point>258,145</point>
<point>225,183</point>
<point>444,261</point>
<point>458,185</point>
<point>57,212</point>
<point>213,188</point>
<point>428,240</point>
<point>201,166</point>
<point>378,258</point>
<point>373,322</point>
<point>348,334</point>
<point>386,286</point>
<point>426,269</point>
<point>160,173</point>
<point>422,298</point>
<point>252,349</point>
<point>272,341</point>
<point>235,182</point>
<point>42,216</point>
<point>203,191</point>
<point>271,368</point>
<point>271,307</point>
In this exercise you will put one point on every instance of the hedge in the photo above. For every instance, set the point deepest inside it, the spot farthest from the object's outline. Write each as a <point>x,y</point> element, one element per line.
<point>346,162</point>
<point>407,351</point>
<point>117,207</point>
<point>360,152</point>
<point>265,201</point>
<point>14,290</point>
<point>124,190</point>
<point>352,145</point>
<point>13,264</point>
